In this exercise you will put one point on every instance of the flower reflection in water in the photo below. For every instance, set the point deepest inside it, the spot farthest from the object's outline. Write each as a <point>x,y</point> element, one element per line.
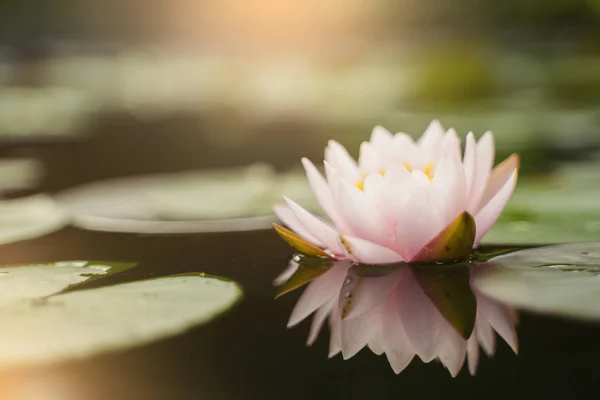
<point>426,311</point>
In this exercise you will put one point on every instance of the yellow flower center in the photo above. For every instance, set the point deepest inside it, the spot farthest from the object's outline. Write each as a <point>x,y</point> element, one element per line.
<point>427,170</point>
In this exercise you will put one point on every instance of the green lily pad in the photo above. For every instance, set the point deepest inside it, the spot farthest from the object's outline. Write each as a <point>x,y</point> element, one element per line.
<point>88,322</point>
<point>449,288</point>
<point>25,282</point>
<point>309,268</point>
<point>562,280</point>
<point>29,217</point>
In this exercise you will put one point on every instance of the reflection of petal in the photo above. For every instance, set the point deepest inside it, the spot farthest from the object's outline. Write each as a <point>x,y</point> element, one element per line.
<point>472,354</point>
<point>356,332</point>
<point>397,346</point>
<point>386,309</point>
<point>362,294</point>
<point>451,349</point>
<point>500,318</point>
<point>335,337</point>
<point>318,320</point>
<point>420,318</point>
<point>485,336</point>
<point>318,292</point>
<point>286,274</point>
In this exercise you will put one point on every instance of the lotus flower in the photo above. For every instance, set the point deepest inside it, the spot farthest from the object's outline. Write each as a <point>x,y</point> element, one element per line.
<point>404,201</point>
<point>392,314</point>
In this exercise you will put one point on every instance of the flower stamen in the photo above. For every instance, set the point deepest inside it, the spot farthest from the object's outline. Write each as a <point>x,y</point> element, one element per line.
<point>427,170</point>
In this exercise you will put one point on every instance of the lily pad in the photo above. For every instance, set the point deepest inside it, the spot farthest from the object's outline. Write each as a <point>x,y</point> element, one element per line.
<point>29,282</point>
<point>232,199</point>
<point>29,217</point>
<point>449,288</point>
<point>87,322</point>
<point>561,280</point>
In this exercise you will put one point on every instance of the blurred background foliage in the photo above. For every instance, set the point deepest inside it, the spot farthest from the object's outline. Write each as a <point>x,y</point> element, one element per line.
<point>130,87</point>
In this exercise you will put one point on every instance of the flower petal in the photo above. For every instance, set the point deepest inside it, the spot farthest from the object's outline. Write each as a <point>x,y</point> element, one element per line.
<point>369,160</point>
<point>381,139</point>
<point>333,179</point>
<point>404,149</point>
<point>433,135</point>
<point>374,188</point>
<point>417,224</point>
<point>325,234</point>
<point>449,188</point>
<point>500,175</point>
<point>490,213</point>
<point>453,243</point>
<point>289,219</point>
<point>320,188</point>
<point>363,217</point>
<point>366,252</point>
<point>451,144</point>
<point>398,186</point>
<point>485,162</point>
<point>470,163</point>
<point>338,157</point>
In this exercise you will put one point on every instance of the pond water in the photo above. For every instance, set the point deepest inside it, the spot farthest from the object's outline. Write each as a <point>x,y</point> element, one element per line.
<point>80,119</point>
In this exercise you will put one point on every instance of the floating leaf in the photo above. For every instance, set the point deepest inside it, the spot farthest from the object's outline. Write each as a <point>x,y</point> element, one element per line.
<point>23,282</point>
<point>448,287</point>
<point>309,268</point>
<point>561,280</point>
<point>29,217</point>
<point>298,243</point>
<point>452,243</point>
<point>486,253</point>
<point>87,322</point>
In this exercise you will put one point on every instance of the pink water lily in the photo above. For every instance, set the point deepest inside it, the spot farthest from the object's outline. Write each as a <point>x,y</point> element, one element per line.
<point>392,315</point>
<point>403,201</point>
